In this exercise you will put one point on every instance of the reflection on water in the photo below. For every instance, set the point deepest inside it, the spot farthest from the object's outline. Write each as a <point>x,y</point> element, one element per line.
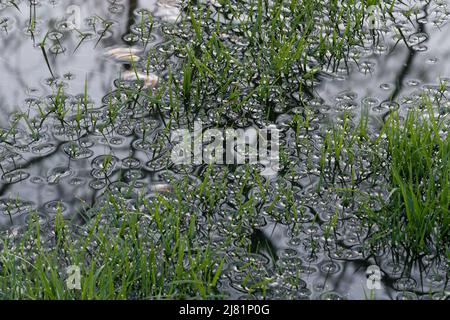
<point>67,169</point>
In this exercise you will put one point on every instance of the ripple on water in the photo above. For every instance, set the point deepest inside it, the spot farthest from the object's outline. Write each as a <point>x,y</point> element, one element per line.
<point>76,152</point>
<point>331,295</point>
<point>137,142</point>
<point>97,184</point>
<point>44,149</point>
<point>15,176</point>
<point>329,267</point>
<point>55,206</point>
<point>56,174</point>
<point>32,218</point>
<point>14,207</point>
<point>405,284</point>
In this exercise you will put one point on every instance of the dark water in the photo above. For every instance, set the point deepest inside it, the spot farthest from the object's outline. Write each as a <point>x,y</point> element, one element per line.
<point>55,172</point>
